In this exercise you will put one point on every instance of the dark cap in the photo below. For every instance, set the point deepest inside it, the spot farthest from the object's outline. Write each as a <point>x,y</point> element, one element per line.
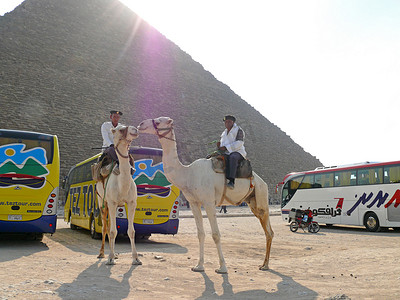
<point>115,112</point>
<point>229,117</point>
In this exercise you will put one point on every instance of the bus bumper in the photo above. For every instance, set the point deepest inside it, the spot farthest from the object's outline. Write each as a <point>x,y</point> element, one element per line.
<point>170,227</point>
<point>45,224</point>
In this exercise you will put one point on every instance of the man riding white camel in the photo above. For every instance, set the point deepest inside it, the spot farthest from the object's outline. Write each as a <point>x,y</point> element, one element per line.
<point>108,144</point>
<point>232,145</point>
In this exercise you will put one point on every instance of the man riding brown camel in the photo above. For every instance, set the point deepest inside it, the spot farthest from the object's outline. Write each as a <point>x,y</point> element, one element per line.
<point>232,145</point>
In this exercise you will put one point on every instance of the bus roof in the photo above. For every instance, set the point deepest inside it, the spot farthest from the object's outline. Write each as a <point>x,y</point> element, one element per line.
<point>132,150</point>
<point>342,168</point>
<point>25,134</point>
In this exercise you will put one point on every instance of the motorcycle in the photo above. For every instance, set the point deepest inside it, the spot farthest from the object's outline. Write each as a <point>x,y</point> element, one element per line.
<point>302,219</point>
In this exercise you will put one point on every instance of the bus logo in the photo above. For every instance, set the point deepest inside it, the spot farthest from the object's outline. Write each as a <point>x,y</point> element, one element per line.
<point>150,178</point>
<point>19,167</point>
<point>379,200</point>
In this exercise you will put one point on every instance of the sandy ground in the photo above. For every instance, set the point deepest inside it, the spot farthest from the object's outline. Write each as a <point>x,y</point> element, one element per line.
<point>336,263</point>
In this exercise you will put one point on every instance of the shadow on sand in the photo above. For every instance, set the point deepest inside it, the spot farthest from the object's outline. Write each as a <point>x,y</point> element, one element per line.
<point>14,246</point>
<point>96,283</point>
<point>80,241</point>
<point>287,288</point>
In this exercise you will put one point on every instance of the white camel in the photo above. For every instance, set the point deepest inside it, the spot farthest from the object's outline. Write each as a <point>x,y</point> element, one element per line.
<point>204,187</point>
<point>119,190</point>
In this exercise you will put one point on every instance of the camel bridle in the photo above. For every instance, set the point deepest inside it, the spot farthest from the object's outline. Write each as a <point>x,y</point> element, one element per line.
<point>164,135</point>
<point>123,137</point>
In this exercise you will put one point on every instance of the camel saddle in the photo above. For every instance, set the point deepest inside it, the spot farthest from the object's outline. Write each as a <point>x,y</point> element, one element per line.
<point>100,171</point>
<point>244,169</point>
<point>103,168</point>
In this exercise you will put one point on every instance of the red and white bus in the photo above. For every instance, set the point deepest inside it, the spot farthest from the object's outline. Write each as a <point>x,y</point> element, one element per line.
<point>365,194</point>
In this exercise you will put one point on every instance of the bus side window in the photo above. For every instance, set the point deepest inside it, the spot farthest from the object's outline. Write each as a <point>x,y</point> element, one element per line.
<point>392,174</point>
<point>87,172</point>
<point>317,181</point>
<point>370,176</point>
<point>324,180</point>
<point>345,178</point>
<point>307,182</point>
<point>353,177</point>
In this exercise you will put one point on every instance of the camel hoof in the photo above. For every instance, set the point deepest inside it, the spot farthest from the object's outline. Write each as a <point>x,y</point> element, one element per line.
<point>263,268</point>
<point>221,270</point>
<point>110,262</point>
<point>136,262</point>
<point>101,255</point>
<point>198,269</point>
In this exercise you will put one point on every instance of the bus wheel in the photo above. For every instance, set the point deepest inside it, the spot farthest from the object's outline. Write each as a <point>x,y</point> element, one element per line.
<point>371,222</point>
<point>93,232</point>
<point>34,236</point>
<point>39,236</point>
<point>142,237</point>
<point>72,226</point>
<point>294,226</point>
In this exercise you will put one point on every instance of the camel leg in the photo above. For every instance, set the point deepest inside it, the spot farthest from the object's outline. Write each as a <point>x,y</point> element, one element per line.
<point>131,232</point>
<point>104,213</point>
<point>112,211</point>
<point>196,210</point>
<point>261,211</point>
<point>212,217</point>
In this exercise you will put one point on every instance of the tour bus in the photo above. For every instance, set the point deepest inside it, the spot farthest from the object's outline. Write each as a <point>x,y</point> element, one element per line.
<point>29,181</point>
<point>157,209</point>
<point>365,194</point>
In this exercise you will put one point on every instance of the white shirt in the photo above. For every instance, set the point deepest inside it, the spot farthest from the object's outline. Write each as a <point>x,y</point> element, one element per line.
<point>108,137</point>
<point>229,141</point>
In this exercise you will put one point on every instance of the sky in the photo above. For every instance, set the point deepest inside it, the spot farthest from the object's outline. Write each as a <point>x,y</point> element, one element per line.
<point>325,72</point>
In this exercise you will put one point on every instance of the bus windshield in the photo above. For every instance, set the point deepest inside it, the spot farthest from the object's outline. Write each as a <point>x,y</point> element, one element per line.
<point>24,145</point>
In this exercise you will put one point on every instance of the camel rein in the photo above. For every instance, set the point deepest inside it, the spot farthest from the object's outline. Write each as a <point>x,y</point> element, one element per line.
<point>116,147</point>
<point>160,136</point>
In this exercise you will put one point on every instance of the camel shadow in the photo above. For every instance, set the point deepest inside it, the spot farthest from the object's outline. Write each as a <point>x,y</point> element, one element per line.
<point>14,246</point>
<point>81,241</point>
<point>287,288</point>
<point>96,282</point>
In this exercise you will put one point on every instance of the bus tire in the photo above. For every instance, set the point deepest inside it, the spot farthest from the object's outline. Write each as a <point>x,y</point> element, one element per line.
<point>142,237</point>
<point>72,226</point>
<point>294,226</point>
<point>39,236</point>
<point>95,235</point>
<point>371,222</point>
<point>34,236</point>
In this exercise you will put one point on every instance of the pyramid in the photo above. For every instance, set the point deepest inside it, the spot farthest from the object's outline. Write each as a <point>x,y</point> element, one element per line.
<point>66,63</point>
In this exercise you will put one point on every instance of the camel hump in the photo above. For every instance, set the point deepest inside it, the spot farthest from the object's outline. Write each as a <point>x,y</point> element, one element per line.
<point>218,163</point>
<point>244,169</point>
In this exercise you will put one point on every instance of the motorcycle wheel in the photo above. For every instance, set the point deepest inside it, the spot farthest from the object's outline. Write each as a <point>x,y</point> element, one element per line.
<point>313,227</point>
<point>294,226</point>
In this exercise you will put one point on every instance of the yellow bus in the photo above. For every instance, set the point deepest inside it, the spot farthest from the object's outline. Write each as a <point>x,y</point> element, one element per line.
<point>157,209</point>
<point>29,182</point>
